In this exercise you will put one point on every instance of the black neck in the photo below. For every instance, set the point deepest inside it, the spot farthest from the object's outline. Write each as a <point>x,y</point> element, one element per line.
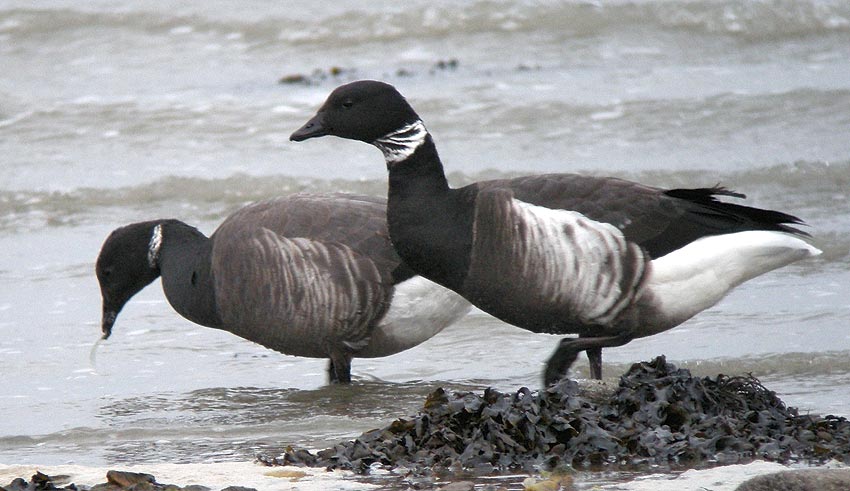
<point>430,224</point>
<point>421,173</point>
<point>184,261</point>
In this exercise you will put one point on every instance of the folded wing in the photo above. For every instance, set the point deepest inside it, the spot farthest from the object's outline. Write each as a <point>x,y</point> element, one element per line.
<point>308,295</point>
<point>550,270</point>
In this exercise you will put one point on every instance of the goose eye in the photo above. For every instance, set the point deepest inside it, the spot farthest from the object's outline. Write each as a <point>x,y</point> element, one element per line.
<point>347,103</point>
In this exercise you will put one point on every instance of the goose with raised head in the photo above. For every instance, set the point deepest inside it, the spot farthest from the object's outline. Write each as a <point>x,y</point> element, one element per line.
<point>305,275</point>
<point>605,258</point>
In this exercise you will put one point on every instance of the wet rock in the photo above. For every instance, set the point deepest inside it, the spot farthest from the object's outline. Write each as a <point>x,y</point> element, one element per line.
<point>800,480</point>
<point>338,74</point>
<point>128,479</point>
<point>38,482</point>
<point>42,481</point>
<point>657,415</point>
<point>295,78</point>
<point>522,67</point>
<point>317,76</point>
<point>444,65</point>
<point>18,484</point>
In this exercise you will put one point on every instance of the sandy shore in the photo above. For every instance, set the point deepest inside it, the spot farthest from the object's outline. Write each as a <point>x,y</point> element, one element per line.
<point>725,478</point>
<point>215,476</point>
<point>250,474</point>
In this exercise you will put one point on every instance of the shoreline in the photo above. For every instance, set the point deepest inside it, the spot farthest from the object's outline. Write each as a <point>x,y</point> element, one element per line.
<point>213,475</point>
<point>245,474</point>
<point>656,413</point>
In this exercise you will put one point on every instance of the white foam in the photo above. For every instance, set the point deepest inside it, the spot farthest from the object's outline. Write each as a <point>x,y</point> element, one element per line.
<point>181,30</point>
<point>726,478</point>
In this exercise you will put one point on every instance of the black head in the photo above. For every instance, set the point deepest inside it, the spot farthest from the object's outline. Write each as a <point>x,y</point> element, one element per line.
<point>364,110</point>
<point>128,262</point>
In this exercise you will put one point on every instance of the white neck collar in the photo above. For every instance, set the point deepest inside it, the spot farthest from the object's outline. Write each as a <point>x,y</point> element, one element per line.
<point>154,246</point>
<point>401,144</point>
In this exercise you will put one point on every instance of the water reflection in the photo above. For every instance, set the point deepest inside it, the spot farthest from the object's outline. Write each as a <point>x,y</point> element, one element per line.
<point>221,424</point>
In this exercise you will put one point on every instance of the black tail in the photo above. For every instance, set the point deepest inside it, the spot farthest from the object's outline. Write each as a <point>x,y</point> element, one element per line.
<point>700,214</point>
<point>728,217</point>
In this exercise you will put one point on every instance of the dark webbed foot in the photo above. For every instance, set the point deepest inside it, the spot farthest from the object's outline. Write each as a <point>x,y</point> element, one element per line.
<point>560,361</point>
<point>569,348</point>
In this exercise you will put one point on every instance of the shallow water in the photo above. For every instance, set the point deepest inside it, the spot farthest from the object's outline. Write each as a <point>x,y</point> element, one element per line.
<point>113,112</point>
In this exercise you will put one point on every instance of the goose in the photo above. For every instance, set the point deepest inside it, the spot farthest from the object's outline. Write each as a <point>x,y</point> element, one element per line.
<point>305,275</point>
<point>607,259</point>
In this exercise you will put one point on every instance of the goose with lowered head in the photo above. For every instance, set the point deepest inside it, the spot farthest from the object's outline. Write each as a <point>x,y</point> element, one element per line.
<point>305,275</point>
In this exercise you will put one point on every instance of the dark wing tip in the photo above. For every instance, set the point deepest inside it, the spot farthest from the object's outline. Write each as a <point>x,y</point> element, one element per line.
<point>750,218</point>
<point>704,194</point>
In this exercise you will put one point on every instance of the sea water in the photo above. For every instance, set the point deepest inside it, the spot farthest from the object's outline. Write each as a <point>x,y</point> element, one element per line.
<point>118,111</point>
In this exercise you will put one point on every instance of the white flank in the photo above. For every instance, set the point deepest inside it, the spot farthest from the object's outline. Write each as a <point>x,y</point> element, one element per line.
<point>574,261</point>
<point>420,309</point>
<point>699,275</point>
<point>401,143</point>
<point>154,246</point>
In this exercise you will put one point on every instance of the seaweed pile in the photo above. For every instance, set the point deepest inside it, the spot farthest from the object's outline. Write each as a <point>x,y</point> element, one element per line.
<point>658,415</point>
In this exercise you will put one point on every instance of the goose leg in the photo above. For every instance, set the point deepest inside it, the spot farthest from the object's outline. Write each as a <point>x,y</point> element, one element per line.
<point>594,357</point>
<point>339,369</point>
<point>569,348</point>
<point>331,372</point>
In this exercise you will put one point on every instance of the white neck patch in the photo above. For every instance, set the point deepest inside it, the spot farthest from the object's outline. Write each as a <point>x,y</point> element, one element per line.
<point>154,246</point>
<point>401,144</point>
